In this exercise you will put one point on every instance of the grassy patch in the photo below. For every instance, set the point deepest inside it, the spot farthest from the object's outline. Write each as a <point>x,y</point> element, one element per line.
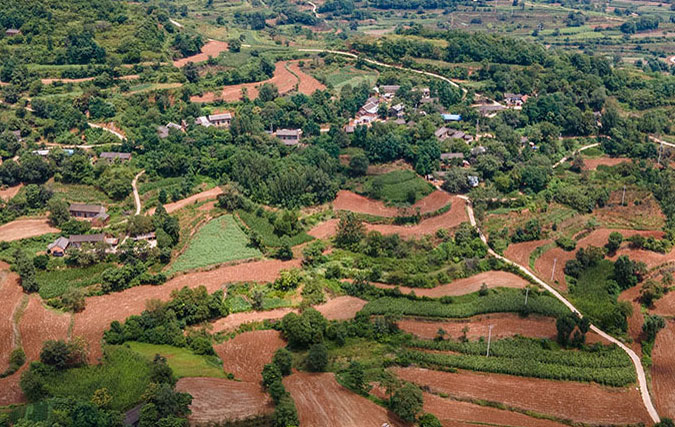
<point>396,187</point>
<point>31,246</point>
<point>220,240</point>
<point>182,361</point>
<point>265,228</point>
<point>124,373</point>
<point>56,283</point>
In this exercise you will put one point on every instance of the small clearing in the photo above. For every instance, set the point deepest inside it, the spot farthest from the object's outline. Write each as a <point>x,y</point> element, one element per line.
<point>247,353</point>
<point>195,198</point>
<point>25,228</point>
<point>212,48</point>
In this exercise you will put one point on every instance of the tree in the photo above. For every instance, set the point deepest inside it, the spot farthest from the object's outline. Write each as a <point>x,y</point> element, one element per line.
<point>270,374</point>
<point>653,324</point>
<point>317,358</point>
<point>59,212</point>
<point>234,45</point>
<point>356,378</point>
<point>350,231</point>
<point>614,242</point>
<point>565,325</point>
<point>284,361</point>
<point>268,92</point>
<point>285,414</point>
<point>25,267</point>
<point>407,402</point>
<point>358,165</point>
<point>160,372</point>
<point>625,272</point>
<point>430,420</point>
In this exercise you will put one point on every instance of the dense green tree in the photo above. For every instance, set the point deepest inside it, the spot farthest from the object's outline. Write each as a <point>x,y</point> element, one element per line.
<point>406,402</point>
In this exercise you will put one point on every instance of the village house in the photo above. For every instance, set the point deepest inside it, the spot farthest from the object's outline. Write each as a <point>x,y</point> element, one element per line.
<point>490,110</point>
<point>397,111</point>
<point>96,213</point>
<point>289,136</point>
<point>110,156</point>
<point>150,237</point>
<point>203,121</point>
<point>163,131</point>
<point>11,32</point>
<point>444,133</point>
<point>451,117</point>
<point>76,241</point>
<point>514,99</point>
<point>388,91</point>
<point>45,152</point>
<point>221,119</point>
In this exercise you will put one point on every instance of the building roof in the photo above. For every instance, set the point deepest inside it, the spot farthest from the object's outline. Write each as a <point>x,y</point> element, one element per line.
<point>390,88</point>
<point>115,155</point>
<point>61,242</point>
<point>478,150</point>
<point>221,116</point>
<point>441,131</point>
<point>451,117</point>
<point>289,132</point>
<point>12,31</point>
<point>448,156</point>
<point>398,107</point>
<point>370,107</point>
<point>162,131</point>
<point>83,207</point>
<point>87,238</point>
<point>172,125</point>
<point>202,120</point>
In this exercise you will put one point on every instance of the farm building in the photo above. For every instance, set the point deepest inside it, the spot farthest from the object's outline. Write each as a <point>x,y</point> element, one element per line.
<point>12,32</point>
<point>203,121</point>
<point>75,241</point>
<point>96,213</point>
<point>163,131</point>
<point>221,119</point>
<point>451,117</point>
<point>110,156</point>
<point>289,136</point>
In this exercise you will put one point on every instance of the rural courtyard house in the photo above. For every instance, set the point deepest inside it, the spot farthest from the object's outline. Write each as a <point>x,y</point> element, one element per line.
<point>203,121</point>
<point>95,213</point>
<point>75,241</point>
<point>289,136</point>
<point>11,32</point>
<point>514,99</point>
<point>110,156</point>
<point>388,91</point>
<point>163,131</point>
<point>221,119</point>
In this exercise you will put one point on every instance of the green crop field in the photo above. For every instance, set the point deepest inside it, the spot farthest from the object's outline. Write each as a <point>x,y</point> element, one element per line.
<point>262,226</point>
<point>182,361</point>
<point>395,187</point>
<point>220,240</point>
<point>56,283</point>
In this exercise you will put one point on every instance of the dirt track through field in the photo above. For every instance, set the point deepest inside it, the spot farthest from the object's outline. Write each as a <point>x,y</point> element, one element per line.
<point>25,228</point>
<point>212,48</point>
<point>663,370</point>
<point>493,279</point>
<point>455,413</point>
<point>195,198</point>
<point>349,201</point>
<point>247,353</point>
<point>217,400</point>
<point>321,401</point>
<point>103,309</point>
<point>283,79</point>
<point>581,402</point>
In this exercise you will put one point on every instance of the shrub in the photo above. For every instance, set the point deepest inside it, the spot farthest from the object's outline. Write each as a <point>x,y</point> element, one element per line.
<point>317,358</point>
<point>406,402</point>
<point>566,243</point>
<point>284,361</point>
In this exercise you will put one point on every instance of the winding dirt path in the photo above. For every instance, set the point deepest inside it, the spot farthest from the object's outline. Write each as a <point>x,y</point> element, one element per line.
<point>137,198</point>
<point>204,195</point>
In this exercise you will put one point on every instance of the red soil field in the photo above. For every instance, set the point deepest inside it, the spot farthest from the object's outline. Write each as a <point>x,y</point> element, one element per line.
<point>216,400</point>
<point>592,163</point>
<point>580,402</point>
<point>247,353</point>
<point>544,264</point>
<point>520,252</point>
<point>233,321</point>
<point>308,84</point>
<point>11,295</point>
<point>349,201</point>
<point>652,259</point>
<point>103,309</point>
<point>493,279</point>
<point>636,319</point>
<point>10,391</point>
<point>505,325</point>
<point>455,413</point>
<point>10,192</point>
<point>321,401</point>
<point>283,79</point>
<point>325,229</point>
<point>211,48</point>
<point>452,218</point>
<point>39,324</point>
<point>204,195</point>
<point>25,228</point>
<point>663,371</point>
<point>665,306</point>
<point>341,308</point>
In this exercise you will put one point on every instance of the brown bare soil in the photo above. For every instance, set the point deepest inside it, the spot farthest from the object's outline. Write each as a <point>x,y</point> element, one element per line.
<point>247,353</point>
<point>456,413</point>
<point>10,391</point>
<point>325,229</point>
<point>10,295</point>
<point>452,218</point>
<point>652,259</point>
<point>217,400</point>
<point>646,215</point>
<point>636,319</point>
<point>663,371</point>
<point>493,279</point>
<point>39,324</point>
<point>321,401</point>
<point>580,402</point>
<point>204,195</point>
<point>283,79</point>
<point>665,306</point>
<point>212,48</point>
<point>349,201</point>
<point>592,163</point>
<point>25,228</point>
<point>233,321</point>
<point>520,252</point>
<point>341,308</point>
<point>103,309</point>
<point>10,192</point>
<point>307,84</point>
<point>544,264</point>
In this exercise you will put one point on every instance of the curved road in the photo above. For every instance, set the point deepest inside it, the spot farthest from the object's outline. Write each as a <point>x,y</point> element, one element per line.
<point>137,198</point>
<point>382,64</point>
<point>642,379</point>
<point>564,159</point>
<point>117,134</point>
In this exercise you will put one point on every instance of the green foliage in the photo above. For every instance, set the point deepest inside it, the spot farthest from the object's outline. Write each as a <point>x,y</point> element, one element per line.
<point>614,242</point>
<point>16,360</point>
<point>406,402</point>
<point>219,241</point>
<point>566,243</point>
<point>25,268</point>
<point>63,355</point>
<point>271,374</point>
<point>317,358</point>
<point>182,361</point>
<point>397,186</point>
<point>285,413</point>
<point>429,420</point>
<point>305,329</point>
<point>56,283</point>
<point>653,324</point>
<point>264,226</point>
<point>350,231</point>
<point>283,359</point>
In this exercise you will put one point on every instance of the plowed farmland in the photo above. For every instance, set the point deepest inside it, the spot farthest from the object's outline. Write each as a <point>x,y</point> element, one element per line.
<point>321,401</point>
<point>493,279</point>
<point>349,201</point>
<point>10,192</point>
<point>247,353</point>
<point>663,371</point>
<point>212,48</point>
<point>325,229</point>
<point>592,163</point>
<point>590,403</point>
<point>25,228</point>
<point>11,295</point>
<point>233,321</point>
<point>217,400</point>
<point>39,324</point>
<point>341,308</point>
<point>204,195</point>
<point>520,252</point>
